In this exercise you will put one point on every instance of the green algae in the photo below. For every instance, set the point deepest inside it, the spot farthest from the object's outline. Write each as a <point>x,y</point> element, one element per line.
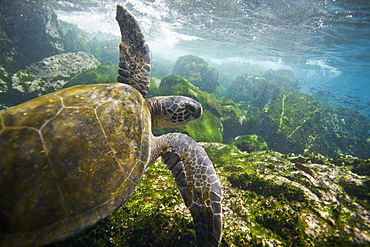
<point>207,129</point>
<point>197,71</point>
<point>295,122</point>
<point>255,90</point>
<point>292,111</point>
<point>284,78</point>
<point>268,201</point>
<point>257,141</point>
<point>286,206</point>
<point>104,73</point>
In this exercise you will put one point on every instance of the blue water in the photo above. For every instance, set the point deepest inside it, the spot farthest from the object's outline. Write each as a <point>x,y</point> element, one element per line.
<point>325,43</point>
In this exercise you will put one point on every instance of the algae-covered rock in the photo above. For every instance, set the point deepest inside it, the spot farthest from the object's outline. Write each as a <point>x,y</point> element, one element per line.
<point>250,143</point>
<point>348,129</point>
<point>207,129</point>
<point>359,166</point>
<point>30,30</point>
<point>4,81</point>
<point>284,78</point>
<point>270,199</point>
<point>104,49</point>
<point>52,73</point>
<point>295,122</point>
<point>196,70</point>
<point>255,90</point>
<point>104,73</point>
<point>233,119</point>
<point>298,123</point>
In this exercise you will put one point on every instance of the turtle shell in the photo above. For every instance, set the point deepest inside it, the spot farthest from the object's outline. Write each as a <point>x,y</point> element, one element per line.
<point>68,159</point>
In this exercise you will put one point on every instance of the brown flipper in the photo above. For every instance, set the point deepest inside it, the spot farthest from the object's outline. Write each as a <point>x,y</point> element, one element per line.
<point>134,56</point>
<point>198,184</point>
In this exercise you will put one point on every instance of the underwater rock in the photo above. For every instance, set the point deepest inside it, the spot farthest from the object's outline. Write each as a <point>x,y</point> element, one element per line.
<point>206,129</point>
<point>250,143</point>
<point>30,30</point>
<point>268,201</point>
<point>284,78</point>
<point>255,90</point>
<point>104,73</point>
<point>296,122</point>
<point>75,39</point>
<point>52,73</point>
<point>161,67</point>
<point>233,119</point>
<point>348,129</point>
<point>3,83</point>
<point>359,166</point>
<point>196,70</point>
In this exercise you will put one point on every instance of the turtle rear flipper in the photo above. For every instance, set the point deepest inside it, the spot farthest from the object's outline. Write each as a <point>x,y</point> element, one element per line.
<point>198,183</point>
<point>134,56</point>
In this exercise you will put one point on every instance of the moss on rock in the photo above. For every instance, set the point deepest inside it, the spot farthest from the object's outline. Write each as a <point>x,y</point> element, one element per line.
<point>250,143</point>
<point>268,201</point>
<point>284,78</point>
<point>255,90</point>
<point>207,129</point>
<point>233,119</point>
<point>197,71</point>
<point>52,73</point>
<point>104,73</point>
<point>296,122</point>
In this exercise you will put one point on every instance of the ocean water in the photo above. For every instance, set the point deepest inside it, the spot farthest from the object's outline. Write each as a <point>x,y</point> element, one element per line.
<point>326,43</point>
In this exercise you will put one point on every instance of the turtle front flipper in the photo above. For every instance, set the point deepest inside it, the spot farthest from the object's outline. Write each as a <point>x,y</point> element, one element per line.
<point>134,56</point>
<point>198,183</point>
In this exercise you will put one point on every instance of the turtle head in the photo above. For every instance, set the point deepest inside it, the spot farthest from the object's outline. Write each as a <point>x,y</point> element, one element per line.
<point>173,111</point>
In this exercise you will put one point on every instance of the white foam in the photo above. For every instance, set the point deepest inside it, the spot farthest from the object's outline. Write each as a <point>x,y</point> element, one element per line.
<point>325,68</point>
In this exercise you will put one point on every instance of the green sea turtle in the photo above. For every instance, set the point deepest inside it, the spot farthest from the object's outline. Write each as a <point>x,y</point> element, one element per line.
<point>70,158</point>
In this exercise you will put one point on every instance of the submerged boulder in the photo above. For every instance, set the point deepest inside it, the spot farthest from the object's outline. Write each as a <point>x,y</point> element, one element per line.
<point>233,120</point>
<point>255,90</point>
<point>30,31</point>
<point>52,73</point>
<point>288,200</point>
<point>196,70</point>
<point>284,78</point>
<point>270,199</point>
<point>250,143</point>
<point>104,73</point>
<point>296,122</point>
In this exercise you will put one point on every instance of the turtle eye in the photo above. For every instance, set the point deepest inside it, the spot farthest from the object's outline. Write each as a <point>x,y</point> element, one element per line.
<point>190,108</point>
